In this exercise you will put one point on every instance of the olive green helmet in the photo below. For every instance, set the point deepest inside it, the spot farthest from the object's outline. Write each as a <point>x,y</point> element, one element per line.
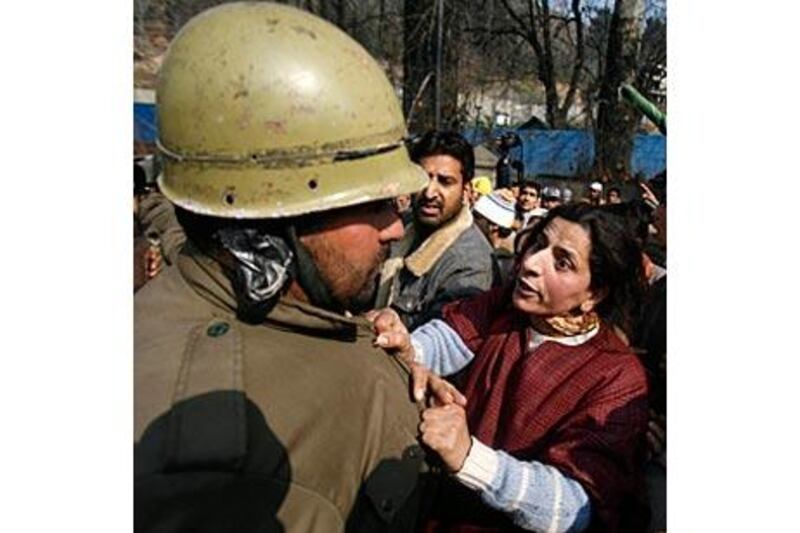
<point>267,111</point>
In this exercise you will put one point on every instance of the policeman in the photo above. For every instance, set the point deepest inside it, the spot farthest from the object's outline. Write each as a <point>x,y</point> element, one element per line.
<point>260,402</point>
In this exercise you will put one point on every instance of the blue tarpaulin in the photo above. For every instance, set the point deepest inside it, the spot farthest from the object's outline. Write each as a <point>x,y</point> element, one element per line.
<point>570,153</point>
<point>564,153</point>
<point>145,127</point>
<point>144,122</point>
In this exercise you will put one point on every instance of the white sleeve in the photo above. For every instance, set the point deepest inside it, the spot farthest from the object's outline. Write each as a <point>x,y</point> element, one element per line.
<point>439,348</point>
<point>536,496</point>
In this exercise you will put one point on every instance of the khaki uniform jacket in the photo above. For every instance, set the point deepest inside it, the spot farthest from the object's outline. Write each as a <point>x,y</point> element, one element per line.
<point>299,424</point>
<point>158,220</point>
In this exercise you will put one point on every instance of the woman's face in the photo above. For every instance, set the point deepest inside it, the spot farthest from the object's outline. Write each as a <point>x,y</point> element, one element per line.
<point>554,274</point>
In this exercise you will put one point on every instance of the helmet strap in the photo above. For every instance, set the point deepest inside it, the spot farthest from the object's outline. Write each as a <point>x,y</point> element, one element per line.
<point>308,276</point>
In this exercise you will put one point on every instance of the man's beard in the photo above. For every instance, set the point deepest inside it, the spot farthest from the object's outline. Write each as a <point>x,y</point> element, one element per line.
<point>426,222</point>
<point>364,300</point>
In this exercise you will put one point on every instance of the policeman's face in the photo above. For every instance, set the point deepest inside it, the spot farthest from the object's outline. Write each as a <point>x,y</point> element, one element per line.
<point>442,199</point>
<point>349,247</point>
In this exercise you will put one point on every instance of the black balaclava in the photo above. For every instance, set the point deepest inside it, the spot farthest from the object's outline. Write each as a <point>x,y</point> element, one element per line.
<point>265,265</point>
<point>263,269</point>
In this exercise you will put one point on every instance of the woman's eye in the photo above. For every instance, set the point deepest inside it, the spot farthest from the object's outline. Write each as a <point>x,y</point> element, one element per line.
<point>562,264</point>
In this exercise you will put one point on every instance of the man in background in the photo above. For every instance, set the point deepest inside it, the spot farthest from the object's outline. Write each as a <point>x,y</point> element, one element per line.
<point>614,196</point>
<point>496,217</point>
<point>443,256</point>
<point>551,197</point>
<point>596,193</point>
<point>527,201</point>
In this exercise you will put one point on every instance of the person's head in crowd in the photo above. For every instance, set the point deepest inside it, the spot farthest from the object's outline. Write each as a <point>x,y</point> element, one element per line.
<point>495,216</point>
<point>551,197</point>
<point>596,193</point>
<point>480,186</point>
<point>641,217</point>
<point>402,203</point>
<point>614,196</point>
<point>528,198</point>
<point>449,161</point>
<point>579,260</point>
<point>536,216</point>
<point>566,195</point>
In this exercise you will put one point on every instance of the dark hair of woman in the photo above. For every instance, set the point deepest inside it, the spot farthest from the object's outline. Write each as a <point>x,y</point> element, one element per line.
<point>615,258</point>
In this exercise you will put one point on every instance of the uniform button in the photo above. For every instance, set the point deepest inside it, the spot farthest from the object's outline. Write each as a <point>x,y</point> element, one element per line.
<point>413,452</point>
<point>218,328</point>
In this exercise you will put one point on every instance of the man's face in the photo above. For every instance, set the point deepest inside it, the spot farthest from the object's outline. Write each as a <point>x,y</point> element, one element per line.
<point>349,248</point>
<point>594,194</point>
<point>402,203</point>
<point>550,203</point>
<point>528,199</point>
<point>442,199</point>
<point>473,193</point>
<point>613,197</point>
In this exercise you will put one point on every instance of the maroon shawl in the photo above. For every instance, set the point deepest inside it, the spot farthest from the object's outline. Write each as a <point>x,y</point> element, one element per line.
<point>581,409</point>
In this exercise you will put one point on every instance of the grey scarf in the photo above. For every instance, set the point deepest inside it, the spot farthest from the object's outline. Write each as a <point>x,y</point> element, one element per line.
<point>263,269</point>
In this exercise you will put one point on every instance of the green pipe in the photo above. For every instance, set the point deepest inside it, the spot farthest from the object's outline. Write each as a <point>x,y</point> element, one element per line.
<point>644,105</point>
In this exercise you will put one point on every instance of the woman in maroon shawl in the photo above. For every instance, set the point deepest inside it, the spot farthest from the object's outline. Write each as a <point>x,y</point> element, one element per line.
<point>549,432</point>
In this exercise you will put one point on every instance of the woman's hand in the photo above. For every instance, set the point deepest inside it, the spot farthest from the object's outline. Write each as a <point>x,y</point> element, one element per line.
<point>391,334</point>
<point>444,430</point>
<point>438,392</point>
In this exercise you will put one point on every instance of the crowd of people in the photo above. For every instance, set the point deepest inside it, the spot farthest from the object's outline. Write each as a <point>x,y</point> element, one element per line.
<point>338,328</point>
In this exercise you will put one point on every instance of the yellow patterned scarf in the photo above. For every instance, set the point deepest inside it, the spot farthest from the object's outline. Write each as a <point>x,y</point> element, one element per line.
<point>571,325</point>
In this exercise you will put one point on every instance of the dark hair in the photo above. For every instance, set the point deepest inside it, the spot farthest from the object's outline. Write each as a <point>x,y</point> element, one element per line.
<point>615,260</point>
<point>638,216</point>
<point>614,189</point>
<point>531,184</point>
<point>446,143</point>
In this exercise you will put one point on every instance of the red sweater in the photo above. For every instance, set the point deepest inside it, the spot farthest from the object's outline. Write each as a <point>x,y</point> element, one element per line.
<point>581,409</point>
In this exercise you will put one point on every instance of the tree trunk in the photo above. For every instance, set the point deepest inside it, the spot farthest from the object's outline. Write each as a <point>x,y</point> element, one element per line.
<point>536,26</point>
<point>419,60</point>
<point>616,120</point>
